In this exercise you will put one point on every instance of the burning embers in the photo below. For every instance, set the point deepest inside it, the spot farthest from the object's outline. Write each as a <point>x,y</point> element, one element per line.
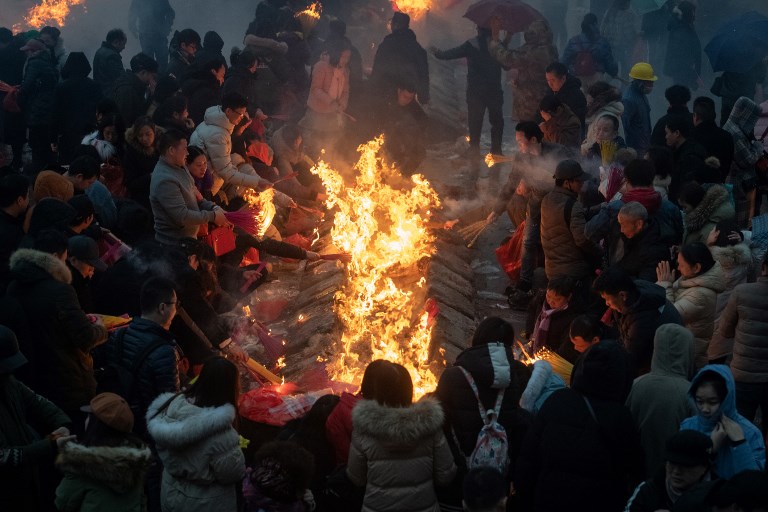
<point>50,12</point>
<point>381,306</point>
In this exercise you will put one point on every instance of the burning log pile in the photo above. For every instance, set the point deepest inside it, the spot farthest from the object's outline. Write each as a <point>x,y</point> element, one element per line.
<point>406,295</point>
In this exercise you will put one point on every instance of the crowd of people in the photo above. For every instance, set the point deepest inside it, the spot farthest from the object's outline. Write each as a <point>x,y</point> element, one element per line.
<point>117,187</point>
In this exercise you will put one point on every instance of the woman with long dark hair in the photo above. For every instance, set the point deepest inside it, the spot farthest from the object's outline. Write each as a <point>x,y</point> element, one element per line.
<point>197,442</point>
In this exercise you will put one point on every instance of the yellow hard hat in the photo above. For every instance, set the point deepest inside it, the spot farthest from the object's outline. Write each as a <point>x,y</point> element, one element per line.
<point>642,71</point>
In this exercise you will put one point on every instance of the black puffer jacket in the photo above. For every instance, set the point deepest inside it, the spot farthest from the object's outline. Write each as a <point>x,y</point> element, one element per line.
<point>63,334</point>
<point>107,66</point>
<point>401,56</point>
<point>637,326</point>
<point>641,253</point>
<point>570,94</point>
<point>573,461</point>
<point>493,367</point>
<point>38,90</point>
<point>202,91</point>
<point>159,373</point>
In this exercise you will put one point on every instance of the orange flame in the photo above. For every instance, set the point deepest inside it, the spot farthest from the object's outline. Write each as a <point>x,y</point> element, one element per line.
<point>413,8</point>
<point>313,11</point>
<point>50,12</point>
<point>384,229</point>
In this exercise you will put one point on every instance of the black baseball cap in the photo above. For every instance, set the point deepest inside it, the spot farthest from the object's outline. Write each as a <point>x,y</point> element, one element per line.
<point>689,448</point>
<point>85,249</point>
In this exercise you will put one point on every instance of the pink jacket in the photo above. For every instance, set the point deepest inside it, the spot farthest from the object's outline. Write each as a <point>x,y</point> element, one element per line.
<point>319,99</point>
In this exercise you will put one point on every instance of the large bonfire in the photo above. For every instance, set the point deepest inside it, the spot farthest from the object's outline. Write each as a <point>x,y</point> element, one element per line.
<point>50,12</point>
<point>414,8</point>
<point>385,230</point>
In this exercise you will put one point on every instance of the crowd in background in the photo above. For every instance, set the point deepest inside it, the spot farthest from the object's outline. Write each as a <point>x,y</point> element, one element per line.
<point>642,262</point>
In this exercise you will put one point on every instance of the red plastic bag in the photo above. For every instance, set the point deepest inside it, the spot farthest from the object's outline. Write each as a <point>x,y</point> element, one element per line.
<point>221,240</point>
<point>266,405</point>
<point>510,253</point>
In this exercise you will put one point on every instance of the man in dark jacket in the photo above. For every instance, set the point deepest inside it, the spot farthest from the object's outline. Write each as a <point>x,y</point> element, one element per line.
<point>38,98</point>
<point>159,372</point>
<point>716,141</point>
<point>14,200</point>
<point>107,63</point>
<point>640,248</point>
<point>583,450</point>
<point>150,21</point>
<point>493,368</point>
<point>12,130</point>
<point>638,308</point>
<point>400,55</point>
<point>241,78</point>
<point>212,48</point>
<point>678,97</point>
<point>567,88</point>
<point>184,46</point>
<point>687,155</point>
<point>637,111</point>
<point>404,127</point>
<point>483,87</point>
<point>63,334</point>
<point>132,88</point>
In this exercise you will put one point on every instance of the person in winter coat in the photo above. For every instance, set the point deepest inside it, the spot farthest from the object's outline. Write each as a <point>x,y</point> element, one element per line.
<point>37,96</point>
<point>400,56</point>
<point>640,247</point>
<point>14,201</point>
<point>140,157</point>
<point>735,258</point>
<point>684,480</point>
<point>107,138</point>
<point>683,60</point>
<point>212,48</point>
<point>51,37</point>
<point>214,136</point>
<point>602,99</point>
<point>588,55</point>
<point>637,309</point>
<point>182,50</point>
<point>530,60</point>
<point>583,450</point>
<point>744,320</point>
<point>703,210</point>
<point>196,442</point>
<point>747,151</point>
<point>678,97</point>
<point>76,99</point>
<point>550,316</point>
<point>130,89</point>
<point>24,416</point>
<point>483,87</point>
<point>108,63</point>
<point>202,87</point>
<point>280,478</point>
<point>620,27</point>
<point>63,334</point>
<point>543,382</point>
<point>105,468</point>
<point>637,110</point>
<point>405,128</point>
<point>737,444</point>
<point>150,21</point>
<point>173,114</point>
<point>560,125</point>
<point>567,88</point>
<point>694,293</point>
<point>399,452</point>
<point>290,158</point>
<point>176,208</point>
<point>731,86</point>
<point>716,141</point>
<point>688,156</point>
<point>490,362</point>
<point>241,78</point>
<point>567,249</point>
<point>659,399</point>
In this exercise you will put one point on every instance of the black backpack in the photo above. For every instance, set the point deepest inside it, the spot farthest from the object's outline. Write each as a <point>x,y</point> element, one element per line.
<point>119,379</point>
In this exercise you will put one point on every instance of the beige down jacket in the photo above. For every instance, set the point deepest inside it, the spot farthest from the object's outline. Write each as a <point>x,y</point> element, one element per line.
<point>399,454</point>
<point>736,262</point>
<point>695,298</point>
<point>745,319</point>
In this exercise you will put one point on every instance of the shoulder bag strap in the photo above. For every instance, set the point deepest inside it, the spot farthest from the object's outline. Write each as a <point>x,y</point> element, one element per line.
<point>589,407</point>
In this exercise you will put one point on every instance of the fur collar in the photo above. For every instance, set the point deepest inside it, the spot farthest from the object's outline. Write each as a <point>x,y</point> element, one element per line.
<point>732,255</point>
<point>183,424</point>
<point>699,216</point>
<point>120,468</point>
<point>46,262</point>
<point>401,426</point>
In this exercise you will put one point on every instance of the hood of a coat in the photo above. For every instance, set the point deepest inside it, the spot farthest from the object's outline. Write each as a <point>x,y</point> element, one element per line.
<point>673,351</point>
<point>398,427</point>
<point>183,424</point>
<point>216,117</point>
<point>604,372</point>
<point>727,407</point>
<point>212,41</point>
<point>651,297</point>
<point>712,279</point>
<point>29,265</point>
<point>715,197</point>
<point>543,379</point>
<point>743,118</point>
<point>610,99</point>
<point>488,364</point>
<point>122,468</point>
<point>538,33</point>
<point>647,197</point>
<point>732,256</point>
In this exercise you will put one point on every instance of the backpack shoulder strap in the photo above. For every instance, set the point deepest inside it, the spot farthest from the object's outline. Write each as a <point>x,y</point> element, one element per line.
<point>484,414</point>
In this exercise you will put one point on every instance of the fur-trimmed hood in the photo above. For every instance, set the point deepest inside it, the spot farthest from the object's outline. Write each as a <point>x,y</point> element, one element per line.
<point>398,427</point>
<point>732,256</point>
<point>715,206</point>
<point>544,381</point>
<point>31,265</point>
<point>183,424</point>
<point>122,468</point>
